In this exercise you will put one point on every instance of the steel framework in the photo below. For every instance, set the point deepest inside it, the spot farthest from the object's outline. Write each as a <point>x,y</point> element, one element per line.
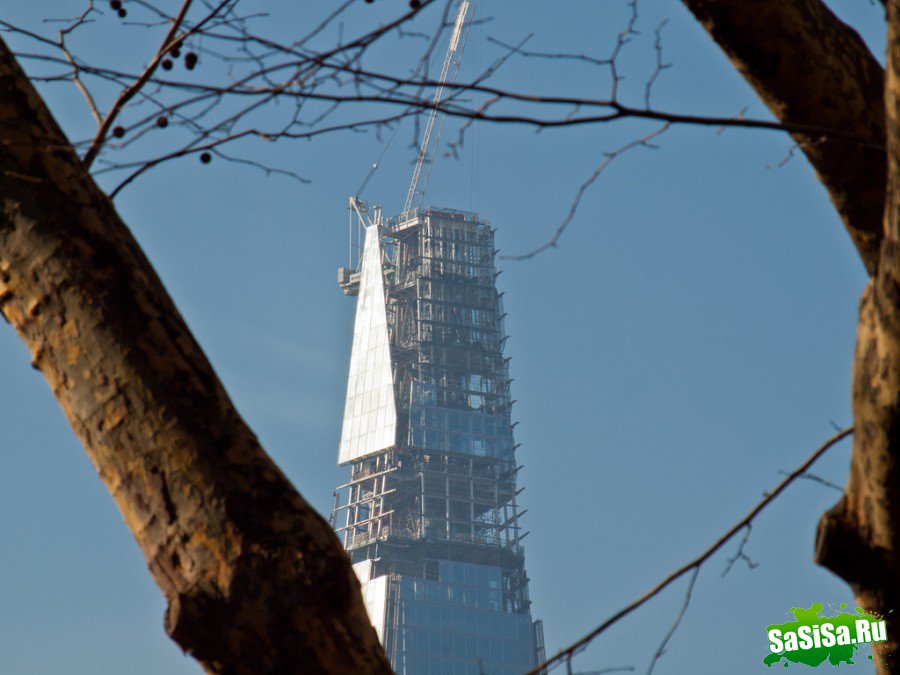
<point>443,489</point>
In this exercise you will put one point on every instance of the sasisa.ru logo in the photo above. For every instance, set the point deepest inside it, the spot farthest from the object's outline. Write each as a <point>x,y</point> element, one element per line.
<point>813,639</point>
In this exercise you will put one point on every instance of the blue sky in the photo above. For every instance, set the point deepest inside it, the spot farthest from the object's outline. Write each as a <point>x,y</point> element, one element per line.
<point>690,338</point>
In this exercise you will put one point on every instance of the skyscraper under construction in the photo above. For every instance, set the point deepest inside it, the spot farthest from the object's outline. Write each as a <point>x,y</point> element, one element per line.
<point>430,515</point>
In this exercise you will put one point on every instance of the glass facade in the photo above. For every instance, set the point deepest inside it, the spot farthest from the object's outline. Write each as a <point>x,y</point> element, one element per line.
<point>370,412</point>
<point>456,626</point>
<point>468,431</point>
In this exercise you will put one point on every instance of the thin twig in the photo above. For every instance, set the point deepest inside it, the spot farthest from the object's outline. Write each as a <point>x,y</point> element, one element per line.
<point>76,79</point>
<point>741,554</point>
<point>818,479</point>
<point>660,65</point>
<point>609,158</point>
<point>684,606</point>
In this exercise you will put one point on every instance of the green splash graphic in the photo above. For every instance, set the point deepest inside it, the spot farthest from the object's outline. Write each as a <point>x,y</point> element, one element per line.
<point>812,617</point>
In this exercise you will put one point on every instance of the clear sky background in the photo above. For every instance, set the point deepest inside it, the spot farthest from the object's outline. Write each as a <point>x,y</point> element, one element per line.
<point>690,339</point>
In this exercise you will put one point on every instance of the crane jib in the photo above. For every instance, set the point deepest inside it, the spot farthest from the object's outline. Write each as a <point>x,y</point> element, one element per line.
<point>457,28</point>
<point>428,143</point>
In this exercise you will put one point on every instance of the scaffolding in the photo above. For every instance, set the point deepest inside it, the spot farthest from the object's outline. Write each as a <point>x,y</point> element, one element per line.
<point>447,488</point>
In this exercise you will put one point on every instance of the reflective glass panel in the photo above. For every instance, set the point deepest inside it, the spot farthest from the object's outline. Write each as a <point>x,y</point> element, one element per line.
<point>370,412</point>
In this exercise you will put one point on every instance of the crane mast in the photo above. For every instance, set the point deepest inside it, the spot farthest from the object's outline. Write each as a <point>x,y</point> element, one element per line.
<point>426,149</point>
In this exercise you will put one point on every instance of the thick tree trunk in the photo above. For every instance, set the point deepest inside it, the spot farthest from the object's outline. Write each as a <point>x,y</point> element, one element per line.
<point>255,579</point>
<point>809,67</point>
<point>859,539</point>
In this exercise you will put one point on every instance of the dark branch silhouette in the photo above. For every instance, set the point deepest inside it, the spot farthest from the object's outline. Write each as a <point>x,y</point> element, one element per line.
<point>697,562</point>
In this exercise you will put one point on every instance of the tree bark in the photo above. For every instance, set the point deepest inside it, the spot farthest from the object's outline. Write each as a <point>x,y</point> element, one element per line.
<point>256,581</point>
<point>808,67</point>
<point>859,538</point>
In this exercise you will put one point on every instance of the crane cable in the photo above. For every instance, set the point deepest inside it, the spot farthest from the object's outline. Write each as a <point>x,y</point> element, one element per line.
<point>377,163</point>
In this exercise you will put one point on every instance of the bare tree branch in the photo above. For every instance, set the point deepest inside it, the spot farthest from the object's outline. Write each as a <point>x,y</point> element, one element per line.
<point>741,554</point>
<point>273,71</point>
<point>818,479</point>
<point>126,95</point>
<point>684,606</point>
<point>810,68</point>
<point>609,158</point>
<point>255,579</point>
<point>660,65</point>
<point>698,561</point>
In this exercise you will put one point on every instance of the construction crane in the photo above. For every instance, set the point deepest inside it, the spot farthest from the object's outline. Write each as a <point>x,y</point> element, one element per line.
<point>416,192</point>
<point>348,277</point>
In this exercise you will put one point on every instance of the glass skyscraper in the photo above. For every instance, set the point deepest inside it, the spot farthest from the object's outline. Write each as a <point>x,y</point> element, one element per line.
<point>429,515</point>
